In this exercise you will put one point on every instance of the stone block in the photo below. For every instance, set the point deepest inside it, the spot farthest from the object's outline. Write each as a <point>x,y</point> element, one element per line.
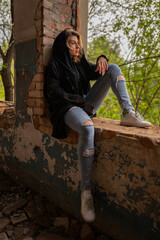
<point>18,218</point>
<point>13,206</point>
<point>3,236</point>
<point>3,223</point>
<point>61,221</point>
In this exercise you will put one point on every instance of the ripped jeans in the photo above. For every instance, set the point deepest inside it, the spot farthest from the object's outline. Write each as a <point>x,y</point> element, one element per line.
<point>77,119</point>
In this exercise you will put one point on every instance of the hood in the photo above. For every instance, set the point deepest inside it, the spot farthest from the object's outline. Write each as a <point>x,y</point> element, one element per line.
<point>60,51</point>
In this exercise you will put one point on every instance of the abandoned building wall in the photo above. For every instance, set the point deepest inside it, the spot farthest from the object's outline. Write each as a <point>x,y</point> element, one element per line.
<point>126,167</point>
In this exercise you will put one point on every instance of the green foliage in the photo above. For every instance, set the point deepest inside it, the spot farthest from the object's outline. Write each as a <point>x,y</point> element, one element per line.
<point>135,26</point>
<point>2,97</point>
<point>6,23</point>
<point>2,67</point>
<point>102,45</point>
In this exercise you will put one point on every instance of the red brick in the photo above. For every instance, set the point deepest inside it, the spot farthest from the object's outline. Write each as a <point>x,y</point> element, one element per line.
<point>63,18</point>
<point>47,130</point>
<point>48,33</point>
<point>36,122</point>
<point>32,85</point>
<point>38,111</point>
<point>58,26</point>
<point>39,85</point>
<point>40,102</point>
<point>40,69</point>
<point>31,102</point>
<point>49,24</point>
<point>39,77</point>
<point>47,4</point>
<point>66,9</point>
<point>61,1</point>
<point>36,93</point>
<point>45,122</point>
<point>47,41</point>
<point>47,14</point>
<point>70,2</point>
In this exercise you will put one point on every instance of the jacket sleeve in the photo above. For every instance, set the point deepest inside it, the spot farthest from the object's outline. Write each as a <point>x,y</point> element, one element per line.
<point>92,67</point>
<point>104,57</point>
<point>53,92</point>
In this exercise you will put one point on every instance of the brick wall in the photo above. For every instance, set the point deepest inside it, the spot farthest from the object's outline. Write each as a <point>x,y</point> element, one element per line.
<point>51,18</point>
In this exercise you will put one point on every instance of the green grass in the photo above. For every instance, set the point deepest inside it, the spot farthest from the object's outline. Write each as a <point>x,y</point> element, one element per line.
<point>2,96</point>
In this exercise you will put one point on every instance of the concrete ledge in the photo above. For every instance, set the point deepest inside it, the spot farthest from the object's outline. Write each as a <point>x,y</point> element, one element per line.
<point>108,129</point>
<point>126,172</point>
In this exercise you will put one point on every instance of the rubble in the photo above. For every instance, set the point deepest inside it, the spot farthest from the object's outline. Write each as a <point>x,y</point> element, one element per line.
<point>27,216</point>
<point>87,233</point>
<point>13,206</point>
<point>3,236</point>
<point>3,223</point>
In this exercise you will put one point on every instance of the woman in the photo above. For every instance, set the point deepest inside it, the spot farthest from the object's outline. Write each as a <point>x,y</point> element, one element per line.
<point>72,102</point>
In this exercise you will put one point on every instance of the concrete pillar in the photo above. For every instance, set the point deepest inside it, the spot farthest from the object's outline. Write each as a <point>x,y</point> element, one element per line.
<point>83,18</point>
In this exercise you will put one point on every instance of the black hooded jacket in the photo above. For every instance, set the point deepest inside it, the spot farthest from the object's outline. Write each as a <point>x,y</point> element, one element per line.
<point>66,82</point>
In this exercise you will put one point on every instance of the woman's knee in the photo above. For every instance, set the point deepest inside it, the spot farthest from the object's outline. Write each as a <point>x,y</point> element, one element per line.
<point>115,67</point>
<point>116,74</point>
<point>87,128</point>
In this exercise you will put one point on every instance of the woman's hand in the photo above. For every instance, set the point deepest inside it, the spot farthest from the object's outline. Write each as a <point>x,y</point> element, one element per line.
<point>102,66</point>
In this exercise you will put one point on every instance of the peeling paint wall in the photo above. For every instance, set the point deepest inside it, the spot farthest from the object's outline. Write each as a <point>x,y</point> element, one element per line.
<point>126,173</point>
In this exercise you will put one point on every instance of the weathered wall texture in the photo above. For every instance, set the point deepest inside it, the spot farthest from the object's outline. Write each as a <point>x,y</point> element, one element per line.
<point>126,173</point>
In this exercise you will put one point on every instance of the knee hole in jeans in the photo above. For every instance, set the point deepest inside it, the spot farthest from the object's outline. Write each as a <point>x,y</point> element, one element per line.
<point>88,152</point>
<point>87,123</point>
<point>120,78</point>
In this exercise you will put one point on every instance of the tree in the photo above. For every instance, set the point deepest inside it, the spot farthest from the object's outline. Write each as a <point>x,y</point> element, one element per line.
<point>135,26</point>
<point>6,47</point>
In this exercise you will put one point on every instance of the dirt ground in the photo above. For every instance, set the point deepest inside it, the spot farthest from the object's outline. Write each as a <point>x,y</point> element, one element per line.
<point>25,215</point>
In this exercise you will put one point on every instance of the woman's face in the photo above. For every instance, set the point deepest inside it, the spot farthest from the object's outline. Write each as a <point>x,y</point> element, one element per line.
<point>74,47</point>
